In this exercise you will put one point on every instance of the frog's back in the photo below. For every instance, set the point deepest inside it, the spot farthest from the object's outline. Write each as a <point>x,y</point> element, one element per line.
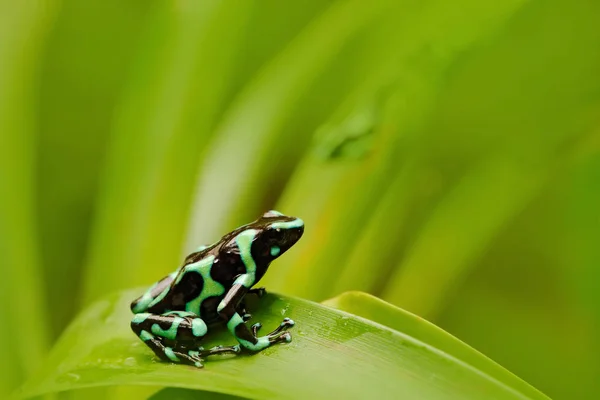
<point>159,291</point>
<point>198,287</point>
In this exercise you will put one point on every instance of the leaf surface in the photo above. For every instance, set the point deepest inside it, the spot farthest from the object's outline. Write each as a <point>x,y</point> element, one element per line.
<point>332,352</point>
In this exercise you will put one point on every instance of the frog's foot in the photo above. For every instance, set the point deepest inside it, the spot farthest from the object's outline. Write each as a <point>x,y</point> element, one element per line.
<point>168,353</point>
<point>220,350</point>
<point>259,292</point>
<point>191,358</point>
<point>241,309</point>
<point>276,336</point>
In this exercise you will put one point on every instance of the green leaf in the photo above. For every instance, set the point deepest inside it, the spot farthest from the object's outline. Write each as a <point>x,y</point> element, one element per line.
<point>83,70</point>
<point>190,394</point>
<point>584,229</point>
<point>162,128</point>
<point>22,29</point>
<point>331,352</point>
<point>522,138</point>
<point>414,71</point>
<point>490,183</point>
<point>377,310</point>
<point>261,129</point>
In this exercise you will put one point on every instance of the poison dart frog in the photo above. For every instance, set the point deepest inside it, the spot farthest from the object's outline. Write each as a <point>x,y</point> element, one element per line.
<point>173,316</point>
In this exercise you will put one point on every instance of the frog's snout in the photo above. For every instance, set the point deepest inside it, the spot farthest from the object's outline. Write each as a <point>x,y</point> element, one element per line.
<point>296,232</point>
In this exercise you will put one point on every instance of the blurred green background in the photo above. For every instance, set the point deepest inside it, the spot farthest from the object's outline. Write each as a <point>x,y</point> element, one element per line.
<point>444,155</point>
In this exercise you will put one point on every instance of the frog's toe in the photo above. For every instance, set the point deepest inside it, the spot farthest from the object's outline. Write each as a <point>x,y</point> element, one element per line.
<point>246,317</point>
<point>286,336</point>
<point>190,358</point>
<point>285,324</point>
<point>283,337</point>
<point>288,322</point>
<point>255,328</point>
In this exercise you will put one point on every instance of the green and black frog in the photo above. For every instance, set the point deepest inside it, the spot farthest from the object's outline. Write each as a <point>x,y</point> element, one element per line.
<point>174,314</point>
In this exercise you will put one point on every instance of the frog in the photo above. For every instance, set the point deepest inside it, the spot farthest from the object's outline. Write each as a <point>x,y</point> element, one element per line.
<point>173,316</point>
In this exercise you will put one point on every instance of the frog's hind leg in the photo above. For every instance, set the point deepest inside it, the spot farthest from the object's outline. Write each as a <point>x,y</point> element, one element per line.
<point>143,302</point>
<point>176,328</point>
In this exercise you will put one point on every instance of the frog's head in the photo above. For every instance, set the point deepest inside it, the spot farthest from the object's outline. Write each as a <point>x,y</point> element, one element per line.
<point>276,233</point>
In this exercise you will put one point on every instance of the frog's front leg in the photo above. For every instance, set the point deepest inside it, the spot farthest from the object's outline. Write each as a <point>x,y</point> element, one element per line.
<point>235,323</point>
<point>175,336</point>
<point>241,308</point>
